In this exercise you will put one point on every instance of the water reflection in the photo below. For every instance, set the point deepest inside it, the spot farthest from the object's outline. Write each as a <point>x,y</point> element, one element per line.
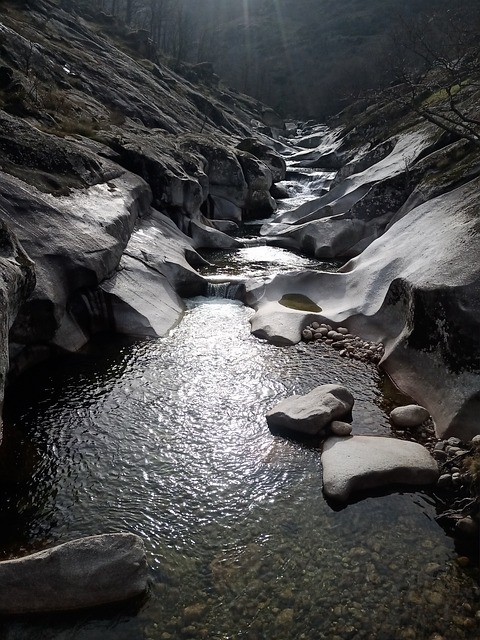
<point>260,262</point>
<point>167,438</point>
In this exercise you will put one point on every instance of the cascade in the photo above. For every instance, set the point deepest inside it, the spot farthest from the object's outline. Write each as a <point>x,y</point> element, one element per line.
<point>227,290</point>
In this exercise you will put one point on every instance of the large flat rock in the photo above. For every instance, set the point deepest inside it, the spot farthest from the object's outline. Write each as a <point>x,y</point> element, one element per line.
<point>351,465</point>
<point>83,573</point>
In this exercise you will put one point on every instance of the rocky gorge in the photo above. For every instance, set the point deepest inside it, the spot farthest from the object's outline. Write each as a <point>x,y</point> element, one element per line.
<point>117,173</point>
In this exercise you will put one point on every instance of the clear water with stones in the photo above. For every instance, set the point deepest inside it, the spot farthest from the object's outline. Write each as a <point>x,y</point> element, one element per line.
<point>167,438</point>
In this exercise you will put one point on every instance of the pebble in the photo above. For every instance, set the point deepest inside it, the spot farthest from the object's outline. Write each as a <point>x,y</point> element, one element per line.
<point>456,478</point>
<point>433,568</point>
<point>194,612</point>
<point>339,428</point>
<point>434,597</point>
<point>307,334</point>
<point>453,450</point>
<point>463,561</point>
<point>467,526</point>
<point>440,455</point>
<point>476,440</point>
<point>454,442</point>
<point>348,345</point>
<point>285,617</point>
<point>444,480</point>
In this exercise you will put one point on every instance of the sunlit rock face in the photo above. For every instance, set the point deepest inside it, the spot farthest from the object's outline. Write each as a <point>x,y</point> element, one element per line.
<point>108,136</point>
<point>358,208</point>
<point>76,242</point>
<point>416,289</point>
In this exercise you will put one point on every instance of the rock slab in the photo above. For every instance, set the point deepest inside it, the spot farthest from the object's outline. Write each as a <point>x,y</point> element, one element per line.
<point>312,412</point>
<point>87,572</point>
<point>354,464</point>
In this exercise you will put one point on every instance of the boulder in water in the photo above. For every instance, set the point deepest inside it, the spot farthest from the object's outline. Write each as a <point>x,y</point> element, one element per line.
<point>351,465</point>
<point>87,572</point>
<point>312,412</point>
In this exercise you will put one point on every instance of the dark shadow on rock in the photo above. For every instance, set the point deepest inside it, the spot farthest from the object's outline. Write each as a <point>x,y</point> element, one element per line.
<point>338,505</point>
<point>312,442</point>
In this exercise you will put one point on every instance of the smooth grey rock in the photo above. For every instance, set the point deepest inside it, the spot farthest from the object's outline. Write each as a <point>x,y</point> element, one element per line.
<point>83,573</point>
<point>339,428</point>
<point>272,119</point>
<point>225,175</point>
<point>358,463</point>
<point>376,296</point>
<point>278,324</point>
<point>312,412</point>
<point>411,415</point>
<point>76,242</point>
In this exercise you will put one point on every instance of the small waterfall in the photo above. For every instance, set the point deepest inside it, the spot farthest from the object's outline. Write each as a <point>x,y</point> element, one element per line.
<point>254,242</point>
<point>226,290</point>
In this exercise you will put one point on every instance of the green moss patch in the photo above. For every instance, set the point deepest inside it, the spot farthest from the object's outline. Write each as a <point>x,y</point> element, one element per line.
<point>299,301</point>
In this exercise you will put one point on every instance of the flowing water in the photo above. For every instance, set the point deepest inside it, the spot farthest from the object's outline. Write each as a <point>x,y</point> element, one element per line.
<point>167,438</point>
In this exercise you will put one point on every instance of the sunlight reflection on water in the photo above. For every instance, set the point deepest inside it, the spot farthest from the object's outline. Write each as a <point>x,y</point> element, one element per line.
<point>167,438</point>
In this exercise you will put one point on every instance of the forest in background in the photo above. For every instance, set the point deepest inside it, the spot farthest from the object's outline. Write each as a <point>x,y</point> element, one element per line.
<point>305,58</point>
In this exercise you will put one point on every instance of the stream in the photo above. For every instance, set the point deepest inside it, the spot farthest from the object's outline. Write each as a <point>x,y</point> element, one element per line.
<point>167,438</point>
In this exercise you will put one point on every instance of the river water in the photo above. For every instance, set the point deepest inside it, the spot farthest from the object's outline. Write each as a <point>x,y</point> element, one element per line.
<point>167,438</point>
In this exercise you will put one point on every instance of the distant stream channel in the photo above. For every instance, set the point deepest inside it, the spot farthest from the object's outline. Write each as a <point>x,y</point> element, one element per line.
<point>167,438</point>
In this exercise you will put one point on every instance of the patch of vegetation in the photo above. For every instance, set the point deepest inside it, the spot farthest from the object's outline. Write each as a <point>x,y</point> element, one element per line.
<point>71,126</point>
<point>441,96</point>
<point>299,302</point>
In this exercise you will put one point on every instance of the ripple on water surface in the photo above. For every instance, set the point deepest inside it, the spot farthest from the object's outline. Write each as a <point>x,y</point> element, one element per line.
<point>261,262</point>
<point>168,438</point>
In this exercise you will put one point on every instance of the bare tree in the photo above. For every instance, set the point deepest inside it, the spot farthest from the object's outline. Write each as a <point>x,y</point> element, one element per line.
<point>437,69</point>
